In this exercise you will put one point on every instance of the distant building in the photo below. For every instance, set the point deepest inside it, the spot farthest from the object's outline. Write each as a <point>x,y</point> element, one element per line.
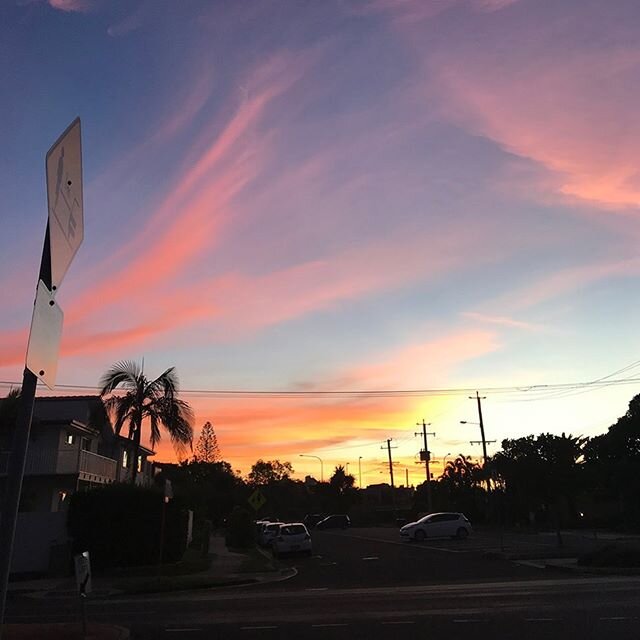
<point>72,447</point>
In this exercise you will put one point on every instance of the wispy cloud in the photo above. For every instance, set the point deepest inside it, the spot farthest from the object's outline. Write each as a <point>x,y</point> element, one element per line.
<point>502,321</point>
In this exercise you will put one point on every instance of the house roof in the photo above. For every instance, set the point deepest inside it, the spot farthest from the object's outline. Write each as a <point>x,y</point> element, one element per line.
<point>87,411</point>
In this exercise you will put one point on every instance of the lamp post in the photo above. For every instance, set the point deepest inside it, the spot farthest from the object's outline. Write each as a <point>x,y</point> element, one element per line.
<point>307,455</point>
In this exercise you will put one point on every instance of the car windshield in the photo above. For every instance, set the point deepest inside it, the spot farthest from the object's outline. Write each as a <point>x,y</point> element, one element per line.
<point>292,529</point>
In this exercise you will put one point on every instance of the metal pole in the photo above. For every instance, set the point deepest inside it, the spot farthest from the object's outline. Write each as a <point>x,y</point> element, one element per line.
<point>18,455</point>
<point>426,461</point>
<point>360,472</point>
<point>390,462</point>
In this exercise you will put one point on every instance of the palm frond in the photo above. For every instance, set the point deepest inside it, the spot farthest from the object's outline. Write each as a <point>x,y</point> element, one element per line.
<point>121,408</point>
<point>165,384</point>
<point>125,372</point>
<point>154,422</point>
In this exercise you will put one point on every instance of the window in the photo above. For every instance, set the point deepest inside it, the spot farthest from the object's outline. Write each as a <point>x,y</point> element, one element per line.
<point>139,464</point>
<point>62,497</point>
<point>70,438</point>
<point>125,459</point>
<point>85,444</point>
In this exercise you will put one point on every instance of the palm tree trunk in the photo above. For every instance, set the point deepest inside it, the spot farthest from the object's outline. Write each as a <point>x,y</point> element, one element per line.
<point>136,452</point>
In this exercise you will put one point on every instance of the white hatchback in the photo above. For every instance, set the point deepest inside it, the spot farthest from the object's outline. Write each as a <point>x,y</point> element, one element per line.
<point>292,537</point>
<point>437,525</point>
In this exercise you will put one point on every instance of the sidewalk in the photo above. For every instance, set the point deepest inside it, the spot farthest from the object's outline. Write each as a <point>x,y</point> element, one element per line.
<point>227,568</point>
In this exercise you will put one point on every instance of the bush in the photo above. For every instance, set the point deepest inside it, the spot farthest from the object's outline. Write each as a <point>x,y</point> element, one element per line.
<point>241,530</point>
<point>119,524</point>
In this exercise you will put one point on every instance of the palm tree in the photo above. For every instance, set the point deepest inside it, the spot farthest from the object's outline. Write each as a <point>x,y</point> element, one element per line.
<point>144,399</point>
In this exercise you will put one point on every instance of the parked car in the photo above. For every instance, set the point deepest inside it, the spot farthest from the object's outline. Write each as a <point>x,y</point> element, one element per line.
<point>312,519</point>
<point>336,521</point>
<point>269,532</point>
<point>437,525</point>
<point>292,537</point>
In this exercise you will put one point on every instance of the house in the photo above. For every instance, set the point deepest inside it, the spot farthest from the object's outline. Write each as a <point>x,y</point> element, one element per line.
<point>72,447</point>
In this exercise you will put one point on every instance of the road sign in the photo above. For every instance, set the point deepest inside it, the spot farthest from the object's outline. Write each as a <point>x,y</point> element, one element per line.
<point>83,572</point>
<point>44,337</point>
<point>64,197</point>
<point>257,499</point>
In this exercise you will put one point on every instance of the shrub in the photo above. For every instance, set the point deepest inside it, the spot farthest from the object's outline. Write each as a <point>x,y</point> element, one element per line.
<point>119,524</point>
<point>241,530</point>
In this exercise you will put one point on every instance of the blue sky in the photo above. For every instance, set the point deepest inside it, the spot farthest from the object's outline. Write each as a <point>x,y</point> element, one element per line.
<point>351,194</point>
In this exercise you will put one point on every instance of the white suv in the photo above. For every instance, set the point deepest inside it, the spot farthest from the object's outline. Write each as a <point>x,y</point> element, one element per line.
<point>291,537</point>
<point>437,525</point>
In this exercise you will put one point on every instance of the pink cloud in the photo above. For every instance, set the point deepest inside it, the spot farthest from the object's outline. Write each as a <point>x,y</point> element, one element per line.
<point>573,115</point>
<point>71,5</point>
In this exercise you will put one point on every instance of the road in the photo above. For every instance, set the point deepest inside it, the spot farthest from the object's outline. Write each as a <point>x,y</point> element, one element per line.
<point>357,586</point>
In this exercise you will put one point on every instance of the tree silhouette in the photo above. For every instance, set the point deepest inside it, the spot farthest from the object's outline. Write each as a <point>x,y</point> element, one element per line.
<point>341,481</point>
<point>268,471</point>
<point>207,449</point>
<point>8,416</point>
<point>144,399</point>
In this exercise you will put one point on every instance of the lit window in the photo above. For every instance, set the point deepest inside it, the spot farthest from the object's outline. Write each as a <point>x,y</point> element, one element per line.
<point>125,459</point>
<point>62,496</point>
<point>139,464</point>
<point>70,438</point>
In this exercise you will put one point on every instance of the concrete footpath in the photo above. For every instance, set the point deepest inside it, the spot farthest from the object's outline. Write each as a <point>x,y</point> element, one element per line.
<point>227,568</point>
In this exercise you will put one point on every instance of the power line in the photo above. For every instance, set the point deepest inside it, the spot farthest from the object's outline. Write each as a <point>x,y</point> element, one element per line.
<point>374,393</point>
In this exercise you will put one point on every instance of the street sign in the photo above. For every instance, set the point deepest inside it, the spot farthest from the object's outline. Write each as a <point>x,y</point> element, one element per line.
<point>44,337</point>
<point>257,499</point>
<point>83,572</point>
<point>64,198</point>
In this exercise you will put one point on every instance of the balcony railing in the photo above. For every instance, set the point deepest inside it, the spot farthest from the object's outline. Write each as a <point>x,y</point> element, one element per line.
<point>87,465</point>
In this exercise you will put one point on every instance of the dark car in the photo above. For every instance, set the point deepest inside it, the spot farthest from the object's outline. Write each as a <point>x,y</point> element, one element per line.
<point>334,522</point>
<point>312,519</point>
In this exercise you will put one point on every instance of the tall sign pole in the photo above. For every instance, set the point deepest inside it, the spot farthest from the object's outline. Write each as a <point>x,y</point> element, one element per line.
<point>63,236</point>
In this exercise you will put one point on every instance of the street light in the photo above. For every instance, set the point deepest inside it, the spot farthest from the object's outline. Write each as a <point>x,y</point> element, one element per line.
<point>307,455</point>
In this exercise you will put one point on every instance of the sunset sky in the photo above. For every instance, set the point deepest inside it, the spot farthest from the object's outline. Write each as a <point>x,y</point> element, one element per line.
<point>336,195</point>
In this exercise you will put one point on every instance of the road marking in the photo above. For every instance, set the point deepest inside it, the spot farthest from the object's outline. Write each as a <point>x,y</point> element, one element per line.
<point>539,619</point>
<point>399,622</point>
<point>330,624</point>
<point>464,620</point>
<point>273,626</point>
<point>184,629</point>
<point>404,544</point>
<point>371,558</point>
<point>317,589</point>
<point>616,618</point>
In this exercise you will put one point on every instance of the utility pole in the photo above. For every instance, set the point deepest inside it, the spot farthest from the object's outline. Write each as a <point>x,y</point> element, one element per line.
<point>388,446</point>
<point>479,399</point>
<point>406,475</point>
<point>360,472</point>
<point>427,457</point>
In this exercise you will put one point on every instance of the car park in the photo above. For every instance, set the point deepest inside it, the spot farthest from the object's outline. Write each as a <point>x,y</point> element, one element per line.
<point>438,525</point>
<point>292,537</point>
<point>336,521</point>
<point>269,532</point>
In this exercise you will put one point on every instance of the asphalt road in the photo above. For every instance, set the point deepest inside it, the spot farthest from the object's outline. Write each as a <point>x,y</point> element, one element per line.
<point>357,586</point>
<point>370,557</point>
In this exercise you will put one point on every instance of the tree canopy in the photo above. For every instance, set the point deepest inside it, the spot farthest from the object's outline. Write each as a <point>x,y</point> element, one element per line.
<point>268,471</point>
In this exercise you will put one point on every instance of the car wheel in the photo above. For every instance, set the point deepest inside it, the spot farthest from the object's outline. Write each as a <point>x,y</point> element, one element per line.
<point>462,533</point>
<point>419,535</point>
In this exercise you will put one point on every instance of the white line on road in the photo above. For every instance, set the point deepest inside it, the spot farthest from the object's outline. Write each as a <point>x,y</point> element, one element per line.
<point>317,589</point>
<point>371,558</point>
<point>465,620</point>
<point>330,624</point>
<point>273,626</point>
<point>181,630</point>
<point>540,619</point>
<point>399,622</point>
<point>616,618</point>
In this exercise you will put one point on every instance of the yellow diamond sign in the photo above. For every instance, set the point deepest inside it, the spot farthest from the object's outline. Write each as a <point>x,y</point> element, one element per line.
<point>257,499</point>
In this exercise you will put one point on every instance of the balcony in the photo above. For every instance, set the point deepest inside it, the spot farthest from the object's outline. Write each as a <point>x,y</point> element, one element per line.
<point>85,464</point>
